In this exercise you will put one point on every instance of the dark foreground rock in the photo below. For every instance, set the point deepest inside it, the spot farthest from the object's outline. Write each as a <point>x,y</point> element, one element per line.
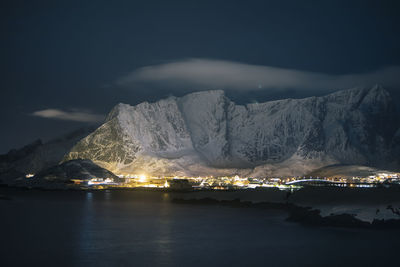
<point>66,175</point>
<point>37,156</point>
<point>298,214</point>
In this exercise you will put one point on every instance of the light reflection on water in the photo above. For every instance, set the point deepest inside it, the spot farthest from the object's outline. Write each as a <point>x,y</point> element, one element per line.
<point>107,195</point>
<point>89,196</point>
<point>164,239</point>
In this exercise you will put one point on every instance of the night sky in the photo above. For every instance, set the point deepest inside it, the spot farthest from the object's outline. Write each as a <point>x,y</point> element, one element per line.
<point>65,64</point>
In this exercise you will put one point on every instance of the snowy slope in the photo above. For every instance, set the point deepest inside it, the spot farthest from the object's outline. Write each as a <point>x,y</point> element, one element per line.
<point>206,133</point>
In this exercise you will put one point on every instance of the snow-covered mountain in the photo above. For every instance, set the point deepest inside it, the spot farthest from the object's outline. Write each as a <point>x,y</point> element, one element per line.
<point>205,133</point>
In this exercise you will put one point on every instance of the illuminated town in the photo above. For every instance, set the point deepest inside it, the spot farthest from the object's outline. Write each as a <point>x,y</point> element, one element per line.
<point>234,182</point>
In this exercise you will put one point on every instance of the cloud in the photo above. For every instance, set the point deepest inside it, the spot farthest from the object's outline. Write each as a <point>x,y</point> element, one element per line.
<point>74,115</point>
<point>205,74</point>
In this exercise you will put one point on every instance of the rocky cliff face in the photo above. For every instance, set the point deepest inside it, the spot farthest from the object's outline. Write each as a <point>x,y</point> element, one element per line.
<point>206,133</point>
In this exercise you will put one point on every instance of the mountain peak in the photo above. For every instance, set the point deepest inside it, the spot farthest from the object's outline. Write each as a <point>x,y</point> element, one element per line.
<point>378,89</point>
<point>116,110</point>
<point>206,94</point>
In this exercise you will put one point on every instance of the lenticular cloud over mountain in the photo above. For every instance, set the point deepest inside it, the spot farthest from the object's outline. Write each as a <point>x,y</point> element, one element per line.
<point>204,74</point>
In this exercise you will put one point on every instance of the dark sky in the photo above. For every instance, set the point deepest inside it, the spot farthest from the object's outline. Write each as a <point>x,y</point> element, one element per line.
<point>68,55</point>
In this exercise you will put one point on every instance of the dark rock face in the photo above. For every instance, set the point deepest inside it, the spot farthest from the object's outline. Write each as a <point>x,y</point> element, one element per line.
<point>37,155</point>
<point>299,214</point>
<point>75,169</point>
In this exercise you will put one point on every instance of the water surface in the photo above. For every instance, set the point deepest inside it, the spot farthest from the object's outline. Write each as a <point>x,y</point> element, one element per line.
<point>133,228</point>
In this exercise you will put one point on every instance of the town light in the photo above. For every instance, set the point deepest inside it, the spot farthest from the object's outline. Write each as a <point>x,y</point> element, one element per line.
<point>166,184</point>
<point>142,178</point>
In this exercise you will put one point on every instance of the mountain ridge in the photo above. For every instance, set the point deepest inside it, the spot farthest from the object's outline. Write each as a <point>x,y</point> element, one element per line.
<point>205,132</point>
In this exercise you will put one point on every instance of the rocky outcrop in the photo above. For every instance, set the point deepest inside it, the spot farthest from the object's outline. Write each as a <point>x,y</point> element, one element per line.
<point>73,170</point>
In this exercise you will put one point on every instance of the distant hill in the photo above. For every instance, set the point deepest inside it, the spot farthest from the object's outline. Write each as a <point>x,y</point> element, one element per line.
<point>80,169</point>
<point>346,171</point>
<point>37,156</point>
